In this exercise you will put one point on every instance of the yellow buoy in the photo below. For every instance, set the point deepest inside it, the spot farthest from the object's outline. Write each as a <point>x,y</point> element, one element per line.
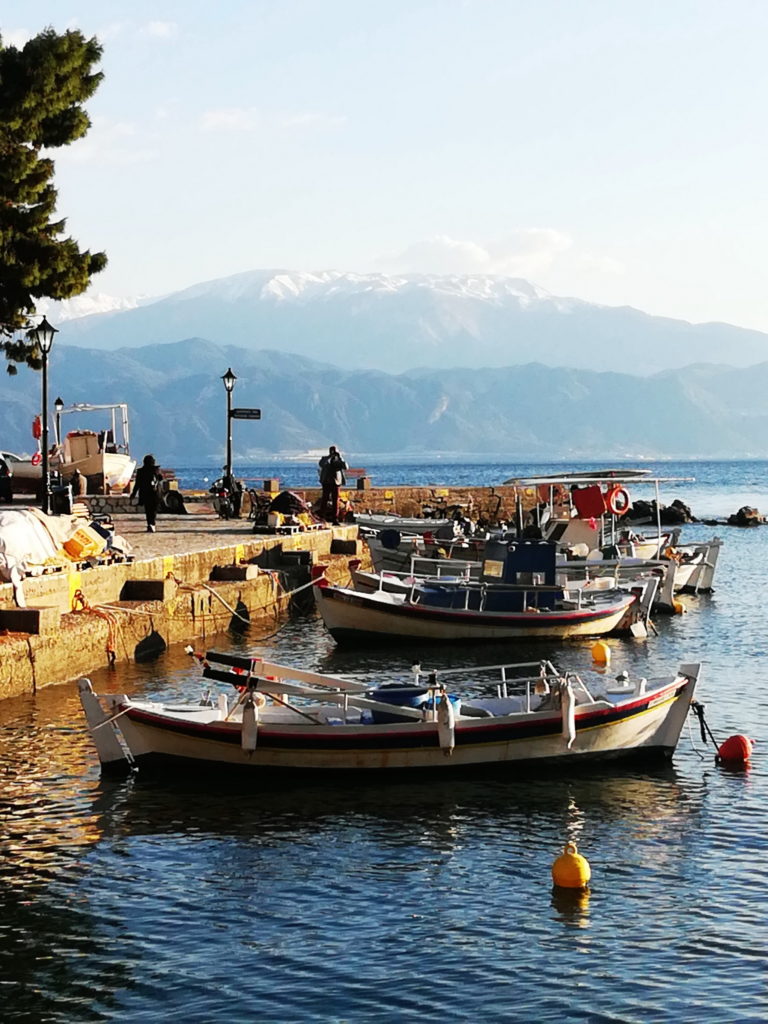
<point>601,653</point>
<point>679,607</point>
<point>571,870</point>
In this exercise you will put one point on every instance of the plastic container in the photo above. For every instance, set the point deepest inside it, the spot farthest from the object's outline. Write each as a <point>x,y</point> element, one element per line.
<point>84,543</point>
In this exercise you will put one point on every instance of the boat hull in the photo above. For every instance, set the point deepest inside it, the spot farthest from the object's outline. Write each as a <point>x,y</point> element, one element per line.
<point>645,727</point>
<point>352,617</point>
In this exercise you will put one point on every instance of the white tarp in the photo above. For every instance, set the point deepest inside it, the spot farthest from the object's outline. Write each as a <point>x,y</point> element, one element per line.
<point>29,538</point>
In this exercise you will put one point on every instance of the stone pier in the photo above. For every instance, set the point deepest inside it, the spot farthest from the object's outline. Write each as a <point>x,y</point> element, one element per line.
<point>192,579</point>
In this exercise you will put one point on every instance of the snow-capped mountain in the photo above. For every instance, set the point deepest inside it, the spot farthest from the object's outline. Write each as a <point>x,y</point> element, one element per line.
<point>400,322</point>
<point>88,304</point>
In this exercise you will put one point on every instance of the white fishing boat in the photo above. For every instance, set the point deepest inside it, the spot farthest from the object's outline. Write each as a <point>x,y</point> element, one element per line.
<point>462,612</point>
<point>286,720</point>
<point>642,580</point>
<point>102,456</point>
<point>411,525</point>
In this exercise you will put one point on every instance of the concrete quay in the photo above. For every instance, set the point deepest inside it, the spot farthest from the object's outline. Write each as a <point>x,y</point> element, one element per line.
<point>195,577</point>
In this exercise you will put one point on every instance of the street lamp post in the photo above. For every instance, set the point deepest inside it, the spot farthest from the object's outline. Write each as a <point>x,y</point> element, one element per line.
<point>229,382</point>
<point>42,336</point>
<point>58,406</point>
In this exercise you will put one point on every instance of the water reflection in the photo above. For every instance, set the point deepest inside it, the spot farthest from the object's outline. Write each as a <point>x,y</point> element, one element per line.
<point>434,815</point>
<point>571,906</point>
<point>105,886</point>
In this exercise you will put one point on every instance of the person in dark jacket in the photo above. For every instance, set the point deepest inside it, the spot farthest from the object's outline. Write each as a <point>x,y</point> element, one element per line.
<point>147,487</point>
<point>331,471</point>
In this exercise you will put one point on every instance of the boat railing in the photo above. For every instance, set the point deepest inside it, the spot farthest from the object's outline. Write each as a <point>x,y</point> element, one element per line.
<point>508,683</point>
<point>530,592</point>
<point>441,566</point>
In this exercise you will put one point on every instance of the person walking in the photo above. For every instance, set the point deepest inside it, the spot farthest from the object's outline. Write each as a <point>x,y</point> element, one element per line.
<point>147,487</point>
<point>331,471</point>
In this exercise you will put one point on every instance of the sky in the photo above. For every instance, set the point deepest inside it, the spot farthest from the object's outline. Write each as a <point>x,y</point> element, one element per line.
<point>610,151</point>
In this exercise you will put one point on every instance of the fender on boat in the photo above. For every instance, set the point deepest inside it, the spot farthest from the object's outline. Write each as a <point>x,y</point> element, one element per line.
<point>250,727</point>
<point>446,725</point>
<point>568,704</point>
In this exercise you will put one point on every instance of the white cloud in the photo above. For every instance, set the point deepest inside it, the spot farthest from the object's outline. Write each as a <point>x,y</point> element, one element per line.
<point>160,29</point>
<point>601,264</point>
<point>315,120</point>
<point>15,36</point>
<point>111,31</point>
<point>239,119</point>
<point>525,253</point>
<point>249,119</point>
<point>107,143</point>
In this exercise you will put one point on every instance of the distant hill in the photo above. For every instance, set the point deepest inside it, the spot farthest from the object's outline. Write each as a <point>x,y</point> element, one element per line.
<point>177,404</point>
<point>398,323</point>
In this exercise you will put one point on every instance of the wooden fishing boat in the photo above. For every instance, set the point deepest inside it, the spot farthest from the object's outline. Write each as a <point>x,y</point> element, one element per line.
<point>405,524</point>
<point>465,611</point>
<point>640,581</point>
<point>518,596</point>
<point>287,720</point>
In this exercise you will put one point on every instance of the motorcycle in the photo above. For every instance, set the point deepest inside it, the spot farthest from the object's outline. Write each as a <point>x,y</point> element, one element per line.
<point>222,500</point>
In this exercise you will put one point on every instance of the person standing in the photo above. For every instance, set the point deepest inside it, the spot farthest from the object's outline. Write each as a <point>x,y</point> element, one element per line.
<point>331,471</point>
<point>147,487</point>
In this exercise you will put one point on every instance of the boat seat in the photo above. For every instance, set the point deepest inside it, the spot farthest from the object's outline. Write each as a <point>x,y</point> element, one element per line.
<point>492,706</point>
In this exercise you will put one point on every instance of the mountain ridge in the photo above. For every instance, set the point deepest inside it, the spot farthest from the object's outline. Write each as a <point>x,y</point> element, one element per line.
<point>398,322</point>
<point>177,406</point>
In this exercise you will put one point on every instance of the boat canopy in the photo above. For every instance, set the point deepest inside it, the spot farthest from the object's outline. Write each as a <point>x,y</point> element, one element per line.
<point>122,440</point>
<point>606,476</point>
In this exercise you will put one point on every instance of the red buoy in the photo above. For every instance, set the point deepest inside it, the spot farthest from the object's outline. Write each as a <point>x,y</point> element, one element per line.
<point>735,750</point>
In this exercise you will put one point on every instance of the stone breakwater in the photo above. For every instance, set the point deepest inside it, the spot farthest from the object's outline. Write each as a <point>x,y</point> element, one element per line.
<point>481,502</point>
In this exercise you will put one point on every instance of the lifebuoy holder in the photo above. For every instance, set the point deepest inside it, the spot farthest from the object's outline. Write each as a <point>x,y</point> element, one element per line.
<point>617,501</point>
<point>556,493</point>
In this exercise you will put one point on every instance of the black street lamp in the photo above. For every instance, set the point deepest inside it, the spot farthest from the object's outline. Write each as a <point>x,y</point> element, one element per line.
<point>58,406</point>
<point>229,382</point>
<point>42,336</point>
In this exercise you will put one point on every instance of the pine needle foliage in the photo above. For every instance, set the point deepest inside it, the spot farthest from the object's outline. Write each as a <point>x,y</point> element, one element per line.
<point>43,86</point>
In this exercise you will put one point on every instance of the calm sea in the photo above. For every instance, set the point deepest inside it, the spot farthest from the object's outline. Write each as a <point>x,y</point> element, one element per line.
<point>137,901</point>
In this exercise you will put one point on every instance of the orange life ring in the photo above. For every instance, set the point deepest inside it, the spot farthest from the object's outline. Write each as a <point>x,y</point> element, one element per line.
<point>617,501</point>
<point>36,459</point>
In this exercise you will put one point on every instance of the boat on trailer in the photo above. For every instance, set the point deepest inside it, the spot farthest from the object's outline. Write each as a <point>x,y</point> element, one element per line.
<point>287,720</point>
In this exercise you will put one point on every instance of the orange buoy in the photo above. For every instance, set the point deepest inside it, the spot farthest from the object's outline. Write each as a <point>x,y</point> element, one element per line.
<point>601,653</point>
<point>735,750</point>
<point>571,870</point>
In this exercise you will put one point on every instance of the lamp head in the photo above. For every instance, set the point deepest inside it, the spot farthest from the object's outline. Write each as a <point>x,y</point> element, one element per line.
<point>42,335</point>
<point>58,405</point>
<point>229,379</point>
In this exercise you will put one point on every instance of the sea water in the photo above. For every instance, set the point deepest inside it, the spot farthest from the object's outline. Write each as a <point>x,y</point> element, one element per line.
<point>136,900</point>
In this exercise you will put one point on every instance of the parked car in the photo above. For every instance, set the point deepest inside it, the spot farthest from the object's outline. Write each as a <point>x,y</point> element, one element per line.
<point>25,475</point>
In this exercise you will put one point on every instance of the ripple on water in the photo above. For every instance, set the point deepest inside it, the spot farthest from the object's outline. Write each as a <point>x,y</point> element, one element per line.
<point>138,901</point>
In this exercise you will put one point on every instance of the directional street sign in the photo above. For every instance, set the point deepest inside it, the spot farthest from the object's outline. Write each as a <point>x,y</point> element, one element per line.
<point>246,414</point>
